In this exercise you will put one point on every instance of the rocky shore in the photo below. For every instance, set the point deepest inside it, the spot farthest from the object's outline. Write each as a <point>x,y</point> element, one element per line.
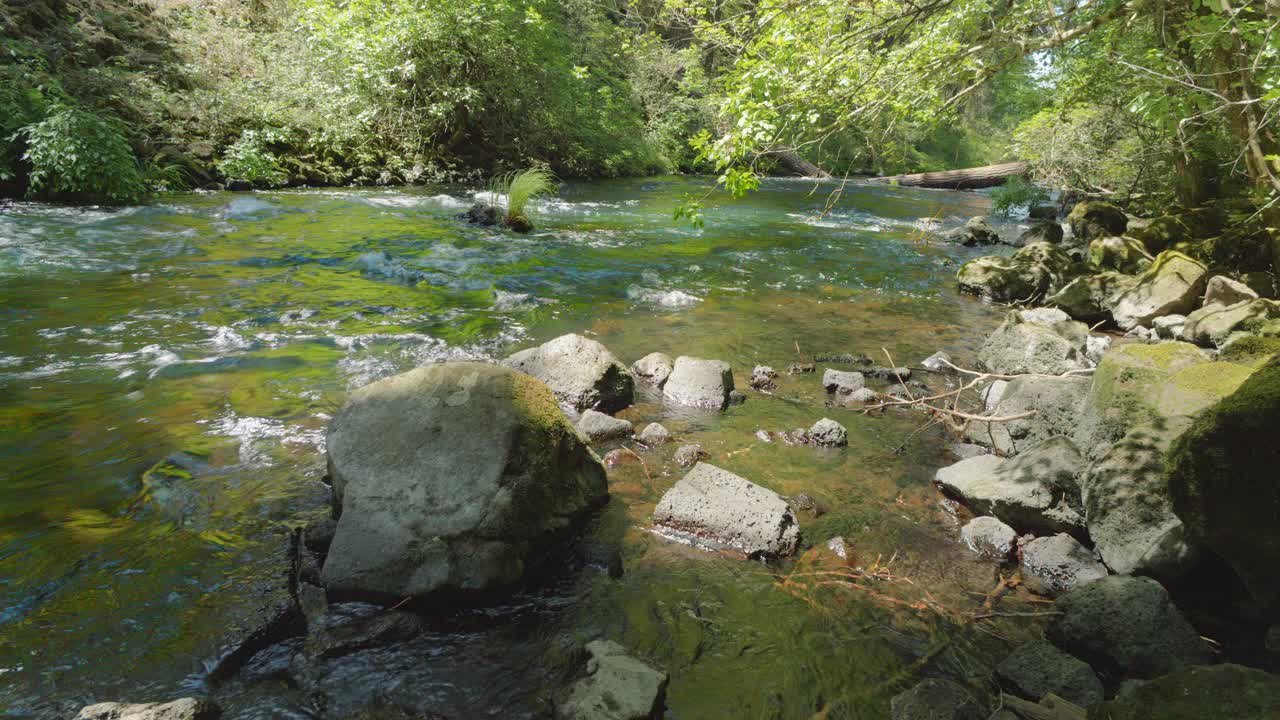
<point>1114,447</point>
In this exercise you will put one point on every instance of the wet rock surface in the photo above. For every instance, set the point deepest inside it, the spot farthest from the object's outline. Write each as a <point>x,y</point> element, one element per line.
<point>1218,691</point>
<point>581,372</point>
<point>688,455</point>
<point>654,434</point>
<point>1055,564</point>
<point>184,709</point>
<point>456,477</point>
<point>699,383</point>
<point>714,506</point>
<point>598,427</point>
<point>935,699</point>
<point>653,368</point>
<point>616,686</point>
<point>989,537</point>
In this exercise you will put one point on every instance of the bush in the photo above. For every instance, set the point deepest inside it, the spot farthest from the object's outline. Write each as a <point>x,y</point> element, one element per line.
<point>249,160</point>
<point>75,151</point>
<point>1015,193</point>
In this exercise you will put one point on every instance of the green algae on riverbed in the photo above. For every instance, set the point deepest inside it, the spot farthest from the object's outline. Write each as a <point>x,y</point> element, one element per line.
<point>231,327</point>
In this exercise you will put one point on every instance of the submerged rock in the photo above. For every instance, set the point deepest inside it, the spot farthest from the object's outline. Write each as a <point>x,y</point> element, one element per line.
<point>653,368</point>
<point>938,362</point>
<point>1127,626</point>
<point>828,433</point>
<point>654,434</point>
<point>715,506</point>
<point>689,455</point>
<point>1172,285</point>
<point>616,687</point>
<point>599,427</point>
<point>1018,347</point>
<point>1055,564</point>
<point>842,384</point>
<point>1197,693</point>
<point>699,383</point>
<point>453,477</point>
<point>764,378</point>
<point>1223,481</point>
<point>356,627</point>
<point>183,709</point>
<point>581,372</point>
<point>989,537</point>
<point>935,699</point>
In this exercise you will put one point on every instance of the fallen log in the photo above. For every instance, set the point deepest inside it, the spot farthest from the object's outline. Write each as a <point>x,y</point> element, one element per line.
<point>790,161</point>
<point>966,179</point>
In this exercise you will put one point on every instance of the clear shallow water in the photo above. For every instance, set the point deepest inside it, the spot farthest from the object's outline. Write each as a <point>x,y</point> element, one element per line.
<point>231,326</point>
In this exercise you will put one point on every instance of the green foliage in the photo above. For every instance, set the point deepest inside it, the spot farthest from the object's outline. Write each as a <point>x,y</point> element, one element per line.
<point>519,188</point>
<point>76,152</point>
<point>1015,193</point>
<point>249,160</point>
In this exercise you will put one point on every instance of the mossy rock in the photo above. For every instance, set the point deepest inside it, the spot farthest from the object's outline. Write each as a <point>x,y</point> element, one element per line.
<point>1086,298</point>
<point>1122,254</point>
<point>1034,270</point>
<point>1167,230</point>
<point>1139,383</point>
<point>1224,483</point>
<point>1096,218</point>
<point>1199,693</point>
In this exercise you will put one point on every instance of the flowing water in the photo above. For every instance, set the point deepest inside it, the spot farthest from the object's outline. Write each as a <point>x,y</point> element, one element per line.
<point>230,326</point>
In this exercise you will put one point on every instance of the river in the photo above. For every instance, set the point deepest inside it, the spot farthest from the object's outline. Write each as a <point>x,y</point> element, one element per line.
<point>231,326</point>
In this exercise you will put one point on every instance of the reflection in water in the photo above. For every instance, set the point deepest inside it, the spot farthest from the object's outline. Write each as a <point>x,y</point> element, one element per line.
<point>166,374</point>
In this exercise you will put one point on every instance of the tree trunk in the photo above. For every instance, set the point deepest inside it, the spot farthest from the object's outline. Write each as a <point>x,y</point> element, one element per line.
<point>796,165</point>
<point>966,179</point>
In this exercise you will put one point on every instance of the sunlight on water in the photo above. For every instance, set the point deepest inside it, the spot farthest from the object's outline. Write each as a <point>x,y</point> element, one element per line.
<point>167,373</point>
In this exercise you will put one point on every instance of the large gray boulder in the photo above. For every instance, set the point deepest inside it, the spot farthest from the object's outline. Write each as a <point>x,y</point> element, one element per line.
<point>1088,297</point>
<point>653,368</point>
<point>1094,219</point>
<point>616,687</point>
<point>1056,403</point>
<point>1127,626</point>
<point>1128,508</point>
<point>1036,491</point>
<point>1055,564</point>
<point>935,699</point>
<point>581,372</point>
<point>1212,324</point>
<point>1019,346</point>
<point>1171,286</point>
<point>599,427</point>
<point>699,383</point>
<point>183,709</point>
<point>453,477</point>
<point>1032,271</point>
<point>1038,668</point>
<point>711,506</point>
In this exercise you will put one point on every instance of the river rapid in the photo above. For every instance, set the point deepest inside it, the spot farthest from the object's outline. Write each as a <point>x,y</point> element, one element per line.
<point>230,327</point>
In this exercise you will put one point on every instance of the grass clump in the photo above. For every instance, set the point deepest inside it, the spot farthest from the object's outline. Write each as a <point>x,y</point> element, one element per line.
<point>519,188</point>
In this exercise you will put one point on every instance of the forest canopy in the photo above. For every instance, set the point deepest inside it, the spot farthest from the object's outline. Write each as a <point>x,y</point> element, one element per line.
<point>1150,102</point>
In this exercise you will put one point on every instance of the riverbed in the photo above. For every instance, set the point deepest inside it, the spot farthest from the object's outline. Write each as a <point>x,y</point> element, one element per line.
<point>230,327</point>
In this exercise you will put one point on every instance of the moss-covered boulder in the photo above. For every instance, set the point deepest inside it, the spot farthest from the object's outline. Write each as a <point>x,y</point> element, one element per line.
<point>1094,219</point>
<point>1172,285</point>
<point>1224,479</point>
<point>454,477</point>
<point>1088,298</point>
<point>1211,325</point>
<point>1136,384</point>
<point>1050,232</point>
<point>1121,254</point>
<point>1199,693</point>
<point>1162,232</point>
<point>1032,271</point>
